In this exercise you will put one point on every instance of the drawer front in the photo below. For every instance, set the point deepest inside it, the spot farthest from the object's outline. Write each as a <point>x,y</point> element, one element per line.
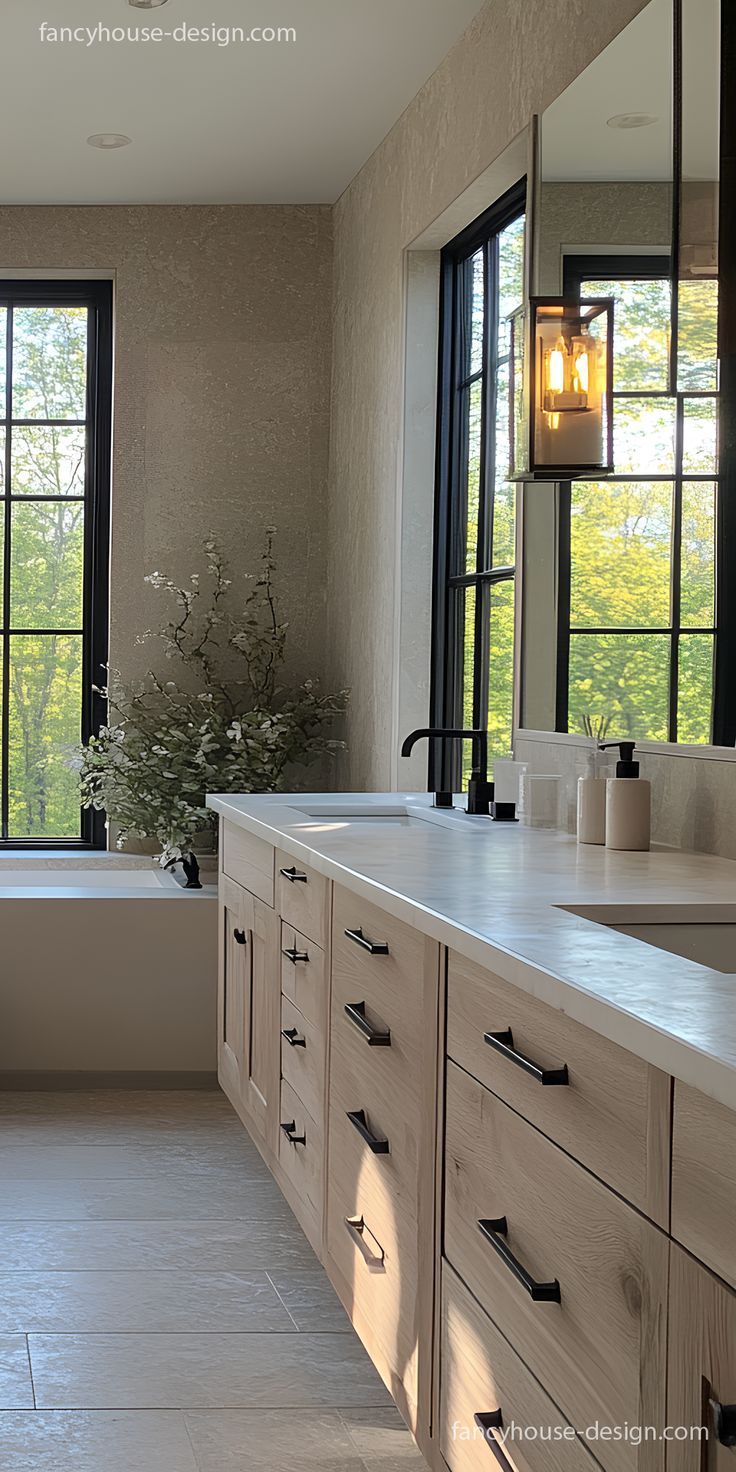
<point>376,1261</point>
<point>704,1180</point>
<point>304,975</point>
<point>301,1155</point>
<point>380,1174</point>
<point>613,1114</point>
<point>303,898</point>
<point>702,1365</point>
<point>248,860</point>
<point>379,965</point>
<point>303,1058</point>
<point>481,1375</point>
<point>600,1350</point>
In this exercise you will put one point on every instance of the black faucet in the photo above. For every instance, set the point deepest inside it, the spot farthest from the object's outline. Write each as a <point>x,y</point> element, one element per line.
<point>480,790</point>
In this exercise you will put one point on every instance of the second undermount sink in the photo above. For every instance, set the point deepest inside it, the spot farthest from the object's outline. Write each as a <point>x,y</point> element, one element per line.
<point>705,934</point>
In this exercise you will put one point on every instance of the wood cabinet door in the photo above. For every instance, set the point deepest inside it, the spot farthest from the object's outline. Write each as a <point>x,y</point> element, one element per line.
<point>233,981</point>
<point>701,1398</point>
<point>262,1056</point>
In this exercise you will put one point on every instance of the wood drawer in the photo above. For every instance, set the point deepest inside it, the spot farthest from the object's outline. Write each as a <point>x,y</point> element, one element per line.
<point>704,1180</point>
<point>304,975</point>
<point>303,898</point>
<point>248,860</point>
<point>614,1112</point>
<point>382,1185</point>
<point>379,1281</point>
<point>389,983</point>
<point>600,1351</point>
<point>702,1364</point>
<point>303,1059</point>
<point>481,1374</point>
<point>302,1162</point>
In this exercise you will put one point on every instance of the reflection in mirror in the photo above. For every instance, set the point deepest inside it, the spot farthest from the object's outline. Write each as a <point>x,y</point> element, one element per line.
<point>619,575</point>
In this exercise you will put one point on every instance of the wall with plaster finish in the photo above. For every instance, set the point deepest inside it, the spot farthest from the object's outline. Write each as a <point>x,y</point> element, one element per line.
<point>512,62</point>
<point>221,398</point>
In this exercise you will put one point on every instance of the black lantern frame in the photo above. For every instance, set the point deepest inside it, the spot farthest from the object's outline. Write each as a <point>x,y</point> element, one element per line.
<point>526,388</point>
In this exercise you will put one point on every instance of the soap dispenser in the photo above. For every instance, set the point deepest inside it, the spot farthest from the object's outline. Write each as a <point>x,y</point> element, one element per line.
<point>628,802</point>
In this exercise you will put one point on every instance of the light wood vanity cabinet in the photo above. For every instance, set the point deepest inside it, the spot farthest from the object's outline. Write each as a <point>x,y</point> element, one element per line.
<point>380,1191</point>
<point>487,1391</point>
<point>702,1368</point>
<point>704,1180</point>
<point>571,1275</point>
<point>521,1224</point>
<point>248,1007</point>
<point>606,1107</point>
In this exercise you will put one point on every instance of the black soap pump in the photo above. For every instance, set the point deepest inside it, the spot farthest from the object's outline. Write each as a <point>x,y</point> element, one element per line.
<point>628,802</point>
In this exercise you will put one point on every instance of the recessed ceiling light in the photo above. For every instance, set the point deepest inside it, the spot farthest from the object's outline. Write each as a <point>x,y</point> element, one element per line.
<point>109,140</point>
<point>147,4</point>
<point>632,120</point>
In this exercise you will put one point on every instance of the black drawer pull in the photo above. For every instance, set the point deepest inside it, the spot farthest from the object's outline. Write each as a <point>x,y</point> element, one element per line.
<point>488,1422</point>
<point>358,1120</point>
<point>495,1231</point>
<point>503,1042</point>
<point>374,947</point>
<point>293,1038</point>
<point>239,936</point>
<point>724,1423</point>
<point>294,875</point>
<point>291,1134</point>
<point>357,1228</point>
<point>293,955</point>
<point>374,1037</point>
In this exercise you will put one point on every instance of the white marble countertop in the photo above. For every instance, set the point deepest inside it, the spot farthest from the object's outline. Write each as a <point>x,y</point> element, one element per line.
<point>494,892</point>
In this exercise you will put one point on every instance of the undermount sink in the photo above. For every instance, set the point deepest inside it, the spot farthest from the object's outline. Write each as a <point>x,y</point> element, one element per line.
<point>705,934</point>
<point>344,814</point>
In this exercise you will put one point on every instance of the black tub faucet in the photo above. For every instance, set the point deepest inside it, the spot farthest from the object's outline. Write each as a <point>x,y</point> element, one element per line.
<point>480,790</point>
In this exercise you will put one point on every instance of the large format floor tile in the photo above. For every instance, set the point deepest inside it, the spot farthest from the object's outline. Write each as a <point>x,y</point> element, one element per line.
<point>161,1309</point>
<point>271,1441</point>
<point>163,1371</point>
<point>100,1441</point>
<point>111,1162</point>
<point>16,1389</point>
<point>311,1299</point>
<point>206,1246</point>
<point>144,1302</point>
<point>221,1194</point>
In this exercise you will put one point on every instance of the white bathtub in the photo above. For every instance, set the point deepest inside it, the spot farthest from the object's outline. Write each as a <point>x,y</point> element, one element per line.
<point>108,974</point>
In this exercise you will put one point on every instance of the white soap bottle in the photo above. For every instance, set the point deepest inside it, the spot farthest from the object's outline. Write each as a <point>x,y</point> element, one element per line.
<point>628,803</point>
<point>592,803</point>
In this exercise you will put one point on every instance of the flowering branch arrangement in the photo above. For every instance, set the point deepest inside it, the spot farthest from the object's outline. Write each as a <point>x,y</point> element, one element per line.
<point>225,723</point>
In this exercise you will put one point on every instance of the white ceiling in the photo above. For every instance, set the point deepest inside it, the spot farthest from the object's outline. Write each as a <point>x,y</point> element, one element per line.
<point>634,74</point>
<point>255,123</point>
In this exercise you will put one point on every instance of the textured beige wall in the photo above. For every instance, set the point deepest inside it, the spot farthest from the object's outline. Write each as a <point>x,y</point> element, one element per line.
<point>512,61</point>
<point>221,399</point>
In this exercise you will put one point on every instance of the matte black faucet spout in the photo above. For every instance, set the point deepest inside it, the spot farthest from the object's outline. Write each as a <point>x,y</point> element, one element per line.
<point>480,790</point>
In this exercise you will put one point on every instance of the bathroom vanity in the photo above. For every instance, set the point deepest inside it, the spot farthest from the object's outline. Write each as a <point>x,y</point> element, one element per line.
<point>507,1127</point>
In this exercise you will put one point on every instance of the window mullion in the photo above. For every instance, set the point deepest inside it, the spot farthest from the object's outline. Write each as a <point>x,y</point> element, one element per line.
<point>7,509</point>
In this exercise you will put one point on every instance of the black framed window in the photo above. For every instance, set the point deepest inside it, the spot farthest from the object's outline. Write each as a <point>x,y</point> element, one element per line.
<point>475,521</point>
<point>637,574</point>
<point>55,411</point>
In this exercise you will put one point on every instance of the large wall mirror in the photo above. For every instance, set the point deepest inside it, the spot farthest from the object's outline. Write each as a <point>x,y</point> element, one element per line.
<point>623,578</point>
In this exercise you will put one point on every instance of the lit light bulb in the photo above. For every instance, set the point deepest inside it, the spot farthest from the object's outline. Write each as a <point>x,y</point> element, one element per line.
<point>582,372</point>
<point>556,368</point>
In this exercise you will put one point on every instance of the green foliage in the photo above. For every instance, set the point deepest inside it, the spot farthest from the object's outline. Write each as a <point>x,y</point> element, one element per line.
<point>46,570</point>
<point>622,533</point>
<point>226,725</point>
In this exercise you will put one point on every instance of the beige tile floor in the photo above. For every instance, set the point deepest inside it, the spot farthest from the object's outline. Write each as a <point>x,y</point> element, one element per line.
<point>160,1309</point>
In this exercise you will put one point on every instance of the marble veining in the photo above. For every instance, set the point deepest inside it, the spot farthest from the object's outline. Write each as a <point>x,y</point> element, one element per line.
<point>496,893</point>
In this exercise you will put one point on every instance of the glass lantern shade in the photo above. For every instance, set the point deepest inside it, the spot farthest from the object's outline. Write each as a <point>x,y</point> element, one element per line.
<point>561,386</point>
